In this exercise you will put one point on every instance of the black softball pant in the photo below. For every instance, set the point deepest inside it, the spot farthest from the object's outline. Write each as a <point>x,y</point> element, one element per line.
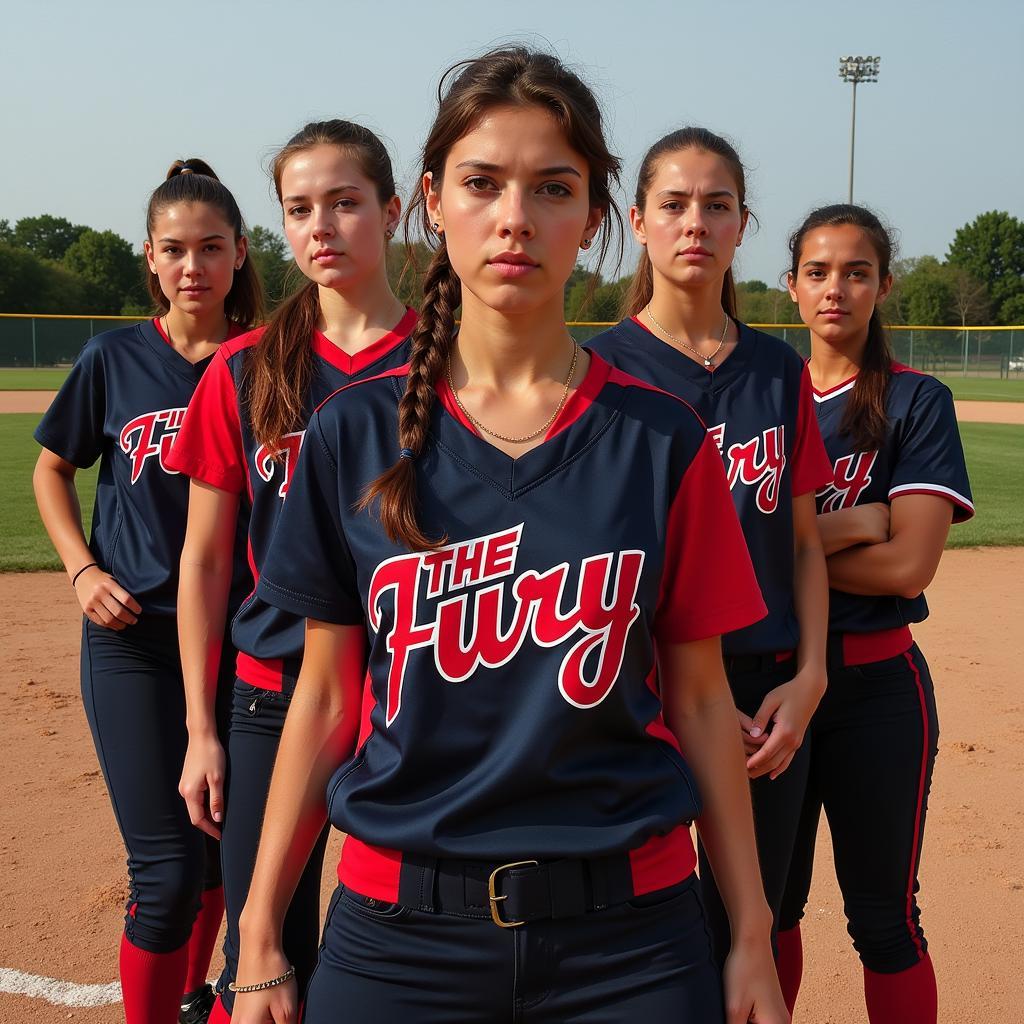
<point>134,700</point>
<point>777,803</point>
<point>254,732</point>
<point>874,741</point>
<point>647,960</point>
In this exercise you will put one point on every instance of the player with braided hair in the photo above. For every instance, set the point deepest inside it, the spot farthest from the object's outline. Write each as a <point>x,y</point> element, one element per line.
<point>239,443</point>
<point>514,559</point>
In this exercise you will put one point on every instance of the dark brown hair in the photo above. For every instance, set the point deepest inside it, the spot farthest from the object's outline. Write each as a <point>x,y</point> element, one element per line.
<point>641,288</point>
<point>279,366</point>
<point>864,421</point>
<point>194,181</point>
<point>515,76</point>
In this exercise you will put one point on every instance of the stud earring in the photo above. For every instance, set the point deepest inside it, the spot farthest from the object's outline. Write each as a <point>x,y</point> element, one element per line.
<point>586,244</point>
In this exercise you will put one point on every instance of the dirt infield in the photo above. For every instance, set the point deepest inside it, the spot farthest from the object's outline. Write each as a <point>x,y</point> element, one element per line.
<point>26,401</point>
<point>64,881</point>
<point>966,412</point>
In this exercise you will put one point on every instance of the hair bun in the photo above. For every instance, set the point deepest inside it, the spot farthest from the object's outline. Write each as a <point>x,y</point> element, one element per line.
<point>192,165</point>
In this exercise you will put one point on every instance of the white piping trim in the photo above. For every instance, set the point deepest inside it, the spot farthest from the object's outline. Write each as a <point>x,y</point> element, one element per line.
<point>947,492</point>
<point>834,394</point>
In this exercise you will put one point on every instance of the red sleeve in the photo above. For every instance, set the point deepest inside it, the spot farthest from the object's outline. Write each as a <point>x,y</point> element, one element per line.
<point>812,468</point>
<point>209,444</point>
<point>708,586</point>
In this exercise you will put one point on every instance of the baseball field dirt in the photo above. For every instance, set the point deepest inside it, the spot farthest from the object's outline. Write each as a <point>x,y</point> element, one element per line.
<point>64,883</point>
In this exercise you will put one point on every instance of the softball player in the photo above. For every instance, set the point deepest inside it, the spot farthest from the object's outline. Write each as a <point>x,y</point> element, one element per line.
<point>517,530</point>
<point>899,481</point>
<point>123,403</point>
<point>239,443</point>
<point>753,393</point>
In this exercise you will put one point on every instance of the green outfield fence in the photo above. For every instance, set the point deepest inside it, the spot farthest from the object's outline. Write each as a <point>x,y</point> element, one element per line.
<point>30,340</point>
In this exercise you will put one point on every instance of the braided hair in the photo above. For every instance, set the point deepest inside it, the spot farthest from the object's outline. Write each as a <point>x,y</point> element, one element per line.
<point>515,76</point>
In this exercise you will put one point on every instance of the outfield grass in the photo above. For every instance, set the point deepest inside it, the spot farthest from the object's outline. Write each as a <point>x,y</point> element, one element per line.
<point>985,389</point>
<point>971,389</point>
<point>48,379</point>
<point>23,541</point>
<point>995,459</point>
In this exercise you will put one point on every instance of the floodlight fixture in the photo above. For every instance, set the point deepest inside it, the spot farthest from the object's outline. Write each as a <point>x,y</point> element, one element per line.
<point>856,70</point>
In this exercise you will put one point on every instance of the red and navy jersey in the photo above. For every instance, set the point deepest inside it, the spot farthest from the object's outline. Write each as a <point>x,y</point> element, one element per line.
<point>512,703</point>
<point>216,444</point>
<point>757,406</point>
<point>123,403</point>
<point>922,455</point>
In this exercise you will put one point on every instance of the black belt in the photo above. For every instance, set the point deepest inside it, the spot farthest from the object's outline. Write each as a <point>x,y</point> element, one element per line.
<point>756,662</point>
<point>516,892</point>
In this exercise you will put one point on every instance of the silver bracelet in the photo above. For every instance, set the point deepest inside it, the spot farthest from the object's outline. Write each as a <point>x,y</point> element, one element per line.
<point>260,986</point>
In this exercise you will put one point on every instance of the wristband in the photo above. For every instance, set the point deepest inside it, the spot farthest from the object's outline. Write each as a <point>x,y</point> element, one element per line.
<point>74,579</point>
<point>261,985</point>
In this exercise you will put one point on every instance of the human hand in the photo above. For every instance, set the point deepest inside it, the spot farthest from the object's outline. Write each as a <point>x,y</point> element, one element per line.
<point>751,984</point>
<point>789,709</point>
<point>751,744</point>
<point>202,782</point>
<point>104,601</point>
<point>276,1005</point>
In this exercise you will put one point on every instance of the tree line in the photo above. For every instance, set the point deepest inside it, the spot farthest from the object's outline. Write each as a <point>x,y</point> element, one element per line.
<point>49,265</point>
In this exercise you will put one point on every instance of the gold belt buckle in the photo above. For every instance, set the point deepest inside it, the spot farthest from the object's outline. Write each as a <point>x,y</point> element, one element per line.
<point>496,899</point>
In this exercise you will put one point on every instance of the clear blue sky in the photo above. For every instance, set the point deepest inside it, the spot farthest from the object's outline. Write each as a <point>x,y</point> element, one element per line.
<point>99,98</point>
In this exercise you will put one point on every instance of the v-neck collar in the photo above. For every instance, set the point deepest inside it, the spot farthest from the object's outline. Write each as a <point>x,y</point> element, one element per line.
<point>714,379</point>
<point>156,338</point>
<point>359,361</point>
<point>581,420</point>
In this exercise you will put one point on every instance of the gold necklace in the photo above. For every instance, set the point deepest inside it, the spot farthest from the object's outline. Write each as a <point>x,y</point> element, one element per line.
<point>502,437</point>
<point>708,360</point>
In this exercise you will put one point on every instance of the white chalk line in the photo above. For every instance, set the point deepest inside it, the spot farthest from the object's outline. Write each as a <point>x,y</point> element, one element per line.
<point>57,992</point>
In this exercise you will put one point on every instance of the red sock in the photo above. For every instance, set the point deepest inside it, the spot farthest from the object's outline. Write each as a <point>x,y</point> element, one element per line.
<point>151,984</point>
<point>789,964</point>
<point>204,938</point>
<point>218,1015</point>
<point>908,997</point>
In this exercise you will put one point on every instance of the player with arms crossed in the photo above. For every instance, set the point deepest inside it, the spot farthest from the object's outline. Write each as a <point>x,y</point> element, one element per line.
<point>899,481</point>
<point>681,333</point>
<point>240,443</point>
<point>518,533</point>
<point>123,403</point>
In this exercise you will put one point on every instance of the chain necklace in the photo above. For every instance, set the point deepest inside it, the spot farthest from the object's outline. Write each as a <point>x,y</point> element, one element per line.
<point>707,360</point>
<point>501,437</point>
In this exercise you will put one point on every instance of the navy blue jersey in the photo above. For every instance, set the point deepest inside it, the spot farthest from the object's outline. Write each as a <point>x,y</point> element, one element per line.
<point>757,406</point>
<point>123,403</point>
<point>922,455</point>
<point>216,445</point>
<point>512,705</point>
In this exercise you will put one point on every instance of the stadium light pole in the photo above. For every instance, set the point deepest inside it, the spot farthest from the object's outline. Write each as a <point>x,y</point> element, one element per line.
<point>857,70</point>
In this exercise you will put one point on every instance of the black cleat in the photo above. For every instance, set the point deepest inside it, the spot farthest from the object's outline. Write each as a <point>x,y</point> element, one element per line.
<point>196,1006</point>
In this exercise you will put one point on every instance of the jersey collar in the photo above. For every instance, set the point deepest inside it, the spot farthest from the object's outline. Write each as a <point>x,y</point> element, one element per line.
<point>679,364</point>
<point>582,417</point>
<point>359,361</point>
<point>153,335</point>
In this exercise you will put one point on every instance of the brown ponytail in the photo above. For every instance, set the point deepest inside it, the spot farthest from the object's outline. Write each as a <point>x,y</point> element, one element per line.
<point>865,421</point>
<point>507,77</point>
<point>280,366</point>
<point>641,287</point>
<point>194,181</point>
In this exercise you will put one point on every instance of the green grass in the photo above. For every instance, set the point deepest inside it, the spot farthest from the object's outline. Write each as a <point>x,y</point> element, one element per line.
<point>48,379</point>
<point>995,461</point>
<point>973,389</point>
<point>985,389</point>
<point>24,544</point>
<point>995,458</point>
